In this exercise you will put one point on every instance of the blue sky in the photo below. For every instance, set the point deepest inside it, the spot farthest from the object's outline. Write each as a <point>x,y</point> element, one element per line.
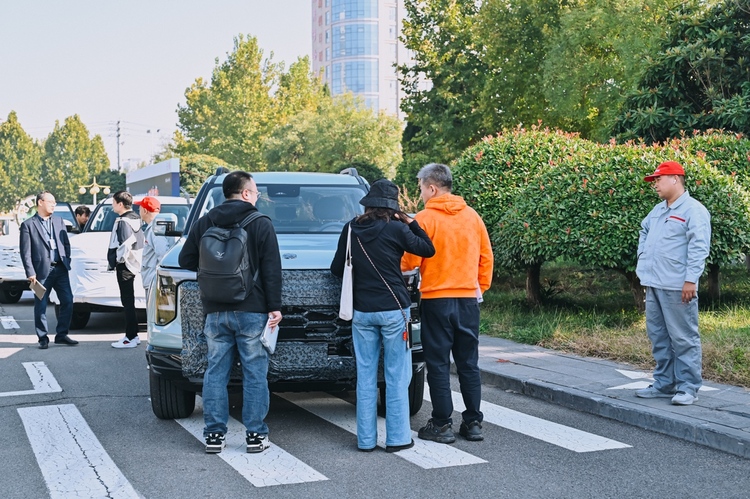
<point>128,60</point>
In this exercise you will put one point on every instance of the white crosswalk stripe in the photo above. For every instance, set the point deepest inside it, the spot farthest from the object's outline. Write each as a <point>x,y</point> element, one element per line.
<point>274,466</point>
<point>41,379</point>
<point>62,441</point>
<point>541,429</point>
<point>9,322</point>
<point>425,454</point>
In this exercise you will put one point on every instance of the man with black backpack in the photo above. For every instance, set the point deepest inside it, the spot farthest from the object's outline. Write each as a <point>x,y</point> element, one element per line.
<point>235,252</point>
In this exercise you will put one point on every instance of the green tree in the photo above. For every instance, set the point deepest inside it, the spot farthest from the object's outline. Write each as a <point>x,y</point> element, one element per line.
<point>587,72</point>
<point>232,115</point>
<point>299,90</point>
<point>699,79</point>
<point>248,96</point>
<point>443,115</point>
<point>20,163</point>
<point>196,168</point>
<point>71,159</point>
<point>341,131</point>
<point>514,36</point>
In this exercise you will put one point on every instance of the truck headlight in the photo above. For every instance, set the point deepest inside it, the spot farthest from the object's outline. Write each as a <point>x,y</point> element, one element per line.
<point>166,299</point>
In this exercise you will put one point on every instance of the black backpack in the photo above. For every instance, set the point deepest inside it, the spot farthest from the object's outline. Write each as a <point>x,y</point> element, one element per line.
<point>224,270</point>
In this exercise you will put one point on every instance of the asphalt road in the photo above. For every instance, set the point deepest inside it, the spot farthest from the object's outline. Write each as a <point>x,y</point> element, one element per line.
<point>100,425</point>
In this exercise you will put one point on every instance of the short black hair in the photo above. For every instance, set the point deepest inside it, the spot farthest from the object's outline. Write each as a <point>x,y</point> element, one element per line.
<point>83,210</point>
<point>125,198</point>
<point>235,183</point>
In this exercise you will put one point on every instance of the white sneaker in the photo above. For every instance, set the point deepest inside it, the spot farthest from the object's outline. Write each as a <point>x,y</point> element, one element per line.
<point>124,342</point>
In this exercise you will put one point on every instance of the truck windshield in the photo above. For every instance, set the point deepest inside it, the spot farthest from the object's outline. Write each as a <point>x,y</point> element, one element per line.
<point>297,208</point>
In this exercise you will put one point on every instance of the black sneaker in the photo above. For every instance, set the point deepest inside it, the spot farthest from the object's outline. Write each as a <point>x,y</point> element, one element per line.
<point>215,443</point>
<point>440,434</point>
<point>471,431</point>
<point>257,442</point>
<point>396,448</point>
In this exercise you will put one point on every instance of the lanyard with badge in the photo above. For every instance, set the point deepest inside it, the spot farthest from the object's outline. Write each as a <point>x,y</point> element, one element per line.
<point>47,224</point>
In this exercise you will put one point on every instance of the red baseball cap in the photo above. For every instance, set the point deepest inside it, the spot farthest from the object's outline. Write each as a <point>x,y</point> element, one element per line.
<point>149,204</point>
<point>666,168</point>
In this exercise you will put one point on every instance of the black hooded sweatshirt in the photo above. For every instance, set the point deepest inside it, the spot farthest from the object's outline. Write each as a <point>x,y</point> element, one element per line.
<point>385,243</point>
<point>262,248</point>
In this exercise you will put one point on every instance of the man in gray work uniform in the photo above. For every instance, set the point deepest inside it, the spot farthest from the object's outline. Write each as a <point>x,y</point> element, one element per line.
<point>672,251</point>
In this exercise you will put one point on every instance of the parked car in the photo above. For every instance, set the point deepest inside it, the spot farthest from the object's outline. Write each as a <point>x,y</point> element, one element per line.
<point>94,287</point>
<point>13,280</point>
<point>314,349</point>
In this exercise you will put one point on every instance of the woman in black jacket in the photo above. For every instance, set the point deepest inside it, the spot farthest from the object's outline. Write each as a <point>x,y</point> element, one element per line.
<point>381,307</point>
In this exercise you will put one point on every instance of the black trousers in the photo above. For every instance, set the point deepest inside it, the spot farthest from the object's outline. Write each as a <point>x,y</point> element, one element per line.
<point>125,280</point>
<point>451,325</point>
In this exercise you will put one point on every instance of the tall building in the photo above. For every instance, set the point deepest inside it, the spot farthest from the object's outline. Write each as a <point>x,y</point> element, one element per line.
<point>356,47</point>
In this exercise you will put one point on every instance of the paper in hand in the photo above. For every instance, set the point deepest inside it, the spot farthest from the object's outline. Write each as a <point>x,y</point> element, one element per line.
<point>269,336</point>
<point>38,289</point>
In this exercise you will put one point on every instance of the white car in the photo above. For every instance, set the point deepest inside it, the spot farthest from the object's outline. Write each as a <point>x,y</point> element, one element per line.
<point>94,287</point>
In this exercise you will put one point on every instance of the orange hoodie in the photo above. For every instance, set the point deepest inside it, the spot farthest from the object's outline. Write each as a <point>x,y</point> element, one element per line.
<point>463,255</point>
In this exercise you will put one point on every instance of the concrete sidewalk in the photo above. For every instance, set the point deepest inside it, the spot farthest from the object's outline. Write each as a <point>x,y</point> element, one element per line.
<point>719,419</point>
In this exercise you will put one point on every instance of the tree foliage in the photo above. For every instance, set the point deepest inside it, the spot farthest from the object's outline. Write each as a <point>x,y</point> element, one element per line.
<point>72,159</point>
<point>231,116</point>
<point>443,115</point>
<point>339,132</point>
<point>196,168</point>
<point>559,196</point>
<point>20,163</point>
<point>594,57</point>
<point>699,79</point>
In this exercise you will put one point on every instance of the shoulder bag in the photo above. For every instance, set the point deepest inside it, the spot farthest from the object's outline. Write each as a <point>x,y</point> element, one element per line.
<point>346,306</point>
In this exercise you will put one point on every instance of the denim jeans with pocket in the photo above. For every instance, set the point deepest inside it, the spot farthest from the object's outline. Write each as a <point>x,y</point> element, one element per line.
<point>370,330</point>
<point>223,331</point>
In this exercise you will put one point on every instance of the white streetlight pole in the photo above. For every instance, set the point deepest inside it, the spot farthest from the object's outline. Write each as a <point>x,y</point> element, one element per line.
<point>94,189</point>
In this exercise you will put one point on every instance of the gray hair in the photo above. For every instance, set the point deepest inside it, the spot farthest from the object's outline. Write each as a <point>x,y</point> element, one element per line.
<point>437,175</point>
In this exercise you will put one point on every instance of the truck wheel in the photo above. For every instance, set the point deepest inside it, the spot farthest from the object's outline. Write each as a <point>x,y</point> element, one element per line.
<point>168,401</point>
<point>78,320</point>
<point>416,391</point>
<point>10,295</point>
<point>416,394</point>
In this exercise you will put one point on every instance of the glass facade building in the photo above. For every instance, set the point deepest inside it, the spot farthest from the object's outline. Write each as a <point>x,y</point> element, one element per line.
<point>356,48</point>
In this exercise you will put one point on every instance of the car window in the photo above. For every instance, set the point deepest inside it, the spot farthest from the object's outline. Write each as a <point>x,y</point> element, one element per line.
<point>63,211</point>
<point>301,208</point>
<point>103,218</point>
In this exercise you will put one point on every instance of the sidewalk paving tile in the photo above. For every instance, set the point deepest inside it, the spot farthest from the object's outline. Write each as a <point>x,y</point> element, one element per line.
<point>719,419</point>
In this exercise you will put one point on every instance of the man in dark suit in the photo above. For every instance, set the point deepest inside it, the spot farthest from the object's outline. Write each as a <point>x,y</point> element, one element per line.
<point>45,252</point>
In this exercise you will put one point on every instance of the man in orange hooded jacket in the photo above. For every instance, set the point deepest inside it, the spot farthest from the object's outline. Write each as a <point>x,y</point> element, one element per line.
<point>452,285</point>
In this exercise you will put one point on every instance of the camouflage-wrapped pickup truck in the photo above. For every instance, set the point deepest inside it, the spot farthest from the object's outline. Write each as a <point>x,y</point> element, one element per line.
<point>314,349</point>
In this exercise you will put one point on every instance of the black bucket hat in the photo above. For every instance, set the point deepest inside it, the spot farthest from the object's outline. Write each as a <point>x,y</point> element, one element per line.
<point>383,194</point>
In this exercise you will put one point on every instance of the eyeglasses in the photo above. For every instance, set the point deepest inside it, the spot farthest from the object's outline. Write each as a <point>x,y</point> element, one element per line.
<point>50,201</point>
<point>253,192</point>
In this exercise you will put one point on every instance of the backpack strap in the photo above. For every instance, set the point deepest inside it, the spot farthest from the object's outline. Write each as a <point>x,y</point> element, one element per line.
<point>247,221</point>
<point>252,216</point>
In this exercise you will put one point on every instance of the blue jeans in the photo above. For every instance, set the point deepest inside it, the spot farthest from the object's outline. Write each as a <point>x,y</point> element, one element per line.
<point>672,327</point>
<point>369,331</point>
<point>223,331</point>
<point>58,280</point>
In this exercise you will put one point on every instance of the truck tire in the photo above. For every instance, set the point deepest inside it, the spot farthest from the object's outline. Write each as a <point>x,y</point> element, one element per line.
<point>78,320</point>
<point>10,294</point>
<point>168,401</point>
<point>416,391</point>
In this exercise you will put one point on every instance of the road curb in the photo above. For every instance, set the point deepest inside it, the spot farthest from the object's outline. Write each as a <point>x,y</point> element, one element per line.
<point>683,427</point>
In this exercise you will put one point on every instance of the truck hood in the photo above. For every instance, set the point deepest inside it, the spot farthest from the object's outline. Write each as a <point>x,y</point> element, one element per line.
<point>298,251</point>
